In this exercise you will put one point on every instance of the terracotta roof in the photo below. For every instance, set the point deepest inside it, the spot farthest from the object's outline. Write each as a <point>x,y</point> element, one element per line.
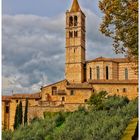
<point>24,96</point>
<point>79,86</point>
<point>75,6</point>
<point>122,60</point>
<point>54,83</point>
<point>6,98</point>
<point>113,81</point>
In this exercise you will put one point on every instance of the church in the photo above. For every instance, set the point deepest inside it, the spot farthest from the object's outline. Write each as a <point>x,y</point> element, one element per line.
<point>82,77</point>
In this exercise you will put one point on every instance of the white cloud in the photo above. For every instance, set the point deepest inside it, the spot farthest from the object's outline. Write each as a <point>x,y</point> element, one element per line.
<point>34,49</point>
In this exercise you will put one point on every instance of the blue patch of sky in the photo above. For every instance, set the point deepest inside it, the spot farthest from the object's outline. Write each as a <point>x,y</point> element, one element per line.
<point>47,8</point>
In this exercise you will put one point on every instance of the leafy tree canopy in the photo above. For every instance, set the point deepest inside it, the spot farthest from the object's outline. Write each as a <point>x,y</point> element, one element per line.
<point>120,22</point>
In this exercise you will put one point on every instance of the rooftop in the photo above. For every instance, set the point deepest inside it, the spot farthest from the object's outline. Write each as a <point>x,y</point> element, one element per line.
<point>117,60</point>
<point>75,6</point>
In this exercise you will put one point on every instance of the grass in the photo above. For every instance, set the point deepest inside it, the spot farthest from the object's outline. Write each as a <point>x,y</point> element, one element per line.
<point>130,130</point>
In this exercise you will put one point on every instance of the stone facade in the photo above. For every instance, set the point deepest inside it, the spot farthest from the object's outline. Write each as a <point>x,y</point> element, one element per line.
<point>82,78</point>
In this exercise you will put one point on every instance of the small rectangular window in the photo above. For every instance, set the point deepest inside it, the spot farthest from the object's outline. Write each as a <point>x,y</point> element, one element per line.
<point>124,89</point>
<point>86,100</point>
<point>72,92</point>
<point>54,90</point>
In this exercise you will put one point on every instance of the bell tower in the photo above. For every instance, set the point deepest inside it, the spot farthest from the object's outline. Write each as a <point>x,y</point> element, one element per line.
<point>75,44</point>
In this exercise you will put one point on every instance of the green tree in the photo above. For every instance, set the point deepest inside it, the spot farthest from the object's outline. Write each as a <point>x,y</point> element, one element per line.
<point>18,116</point>
<point>120,22</point>
<point>16,124</point>
<point>26,112</point>
<point>96,100</point>
<point>20,113</point>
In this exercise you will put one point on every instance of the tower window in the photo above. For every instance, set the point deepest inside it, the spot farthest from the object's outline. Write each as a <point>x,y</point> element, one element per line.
<point>71,21</point>
<point>54,90</point>
<point>126,74</point>
<point>107,73</point>
<point>90,73</point>
<point>75,21</point>
<point>70,34</point>
<point>75,34</point>
<point>98,72</point>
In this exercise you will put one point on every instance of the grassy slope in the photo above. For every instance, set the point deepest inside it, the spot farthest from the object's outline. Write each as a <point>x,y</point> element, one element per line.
<point>108,122</point>
<point>130,130</point>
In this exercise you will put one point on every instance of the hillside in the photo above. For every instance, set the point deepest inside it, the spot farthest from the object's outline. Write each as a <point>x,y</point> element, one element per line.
<point>105,118</point>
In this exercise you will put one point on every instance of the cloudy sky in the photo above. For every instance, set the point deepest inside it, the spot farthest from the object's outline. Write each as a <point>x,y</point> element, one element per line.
<point>33,42</point>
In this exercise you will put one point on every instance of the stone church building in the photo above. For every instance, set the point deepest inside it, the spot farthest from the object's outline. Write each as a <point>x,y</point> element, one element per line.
<point>82,77</point>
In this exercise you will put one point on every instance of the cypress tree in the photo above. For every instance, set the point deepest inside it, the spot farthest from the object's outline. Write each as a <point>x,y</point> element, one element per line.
<point>16,117</point>
<point>26,112</point>
<point>20,113</point>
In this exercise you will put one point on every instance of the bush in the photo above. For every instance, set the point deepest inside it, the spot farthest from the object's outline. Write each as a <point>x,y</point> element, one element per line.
<point>106,123</point>
<point>7,135</point>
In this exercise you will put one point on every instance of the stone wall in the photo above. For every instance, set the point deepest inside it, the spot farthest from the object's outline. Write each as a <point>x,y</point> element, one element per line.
<point>116,70</point>
<point>131,71</point>
<point>129,90</point>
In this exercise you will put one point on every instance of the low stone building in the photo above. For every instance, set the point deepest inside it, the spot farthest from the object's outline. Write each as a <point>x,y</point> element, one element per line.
<point>82,77</point>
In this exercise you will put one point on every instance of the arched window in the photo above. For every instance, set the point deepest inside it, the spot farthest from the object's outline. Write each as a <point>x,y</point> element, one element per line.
<point>70,34</point>
<point>63,99</point>
<point>126,74</point>
<point>70,21</point>
<point>75,21</point>
<point>98,72</point>
<point>107,73</point>
<point>75,34</point>
<point>90,73</point>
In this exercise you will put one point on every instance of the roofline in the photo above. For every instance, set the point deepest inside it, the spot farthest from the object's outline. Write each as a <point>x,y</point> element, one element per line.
<point>111,60</point>
<point>113,81</point>
<point>53,84</point>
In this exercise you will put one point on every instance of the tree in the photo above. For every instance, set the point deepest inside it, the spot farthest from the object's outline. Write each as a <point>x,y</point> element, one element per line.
<point>120,22</point>
<point>26,112</point>
<point>20,113</point>
<point>18,116</point>
<point>96,100</point>
<point>16,124</point>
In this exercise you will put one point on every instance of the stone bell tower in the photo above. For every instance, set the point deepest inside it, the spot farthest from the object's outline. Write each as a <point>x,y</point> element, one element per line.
<point>75,44</point>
